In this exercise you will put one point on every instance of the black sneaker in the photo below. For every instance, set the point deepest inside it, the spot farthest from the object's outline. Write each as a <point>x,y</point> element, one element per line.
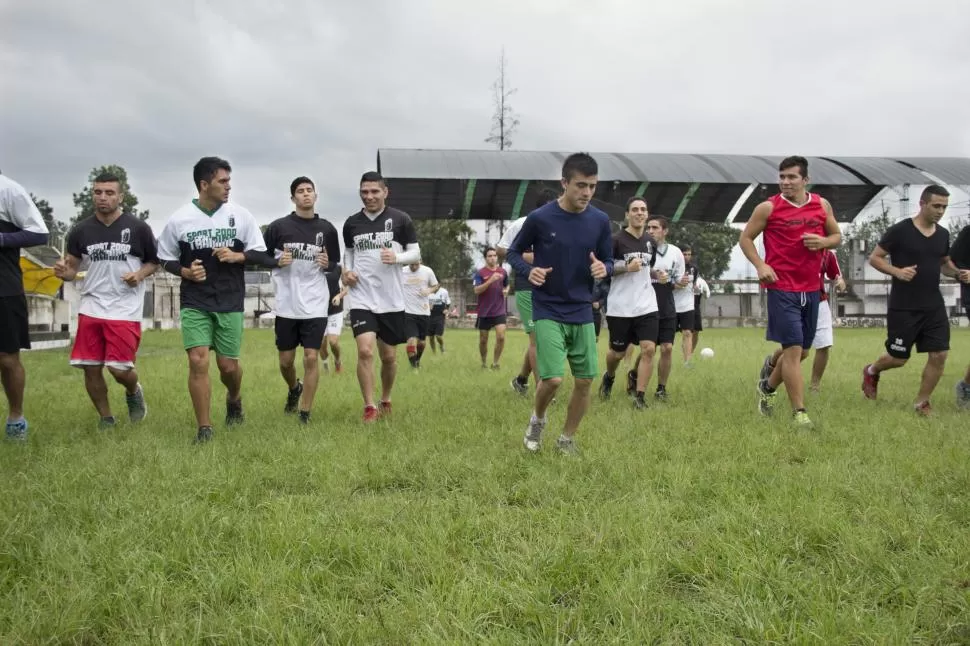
<point>519,386</point>
<point>304,417</point>
<point>631,383</point>
<point>234,413</point>
<point>766,369</point>
<point>661,394</point>
<point>204,435</point>
<point>292,399</point>
<point>606,385</point>
<point>639,403</point>
<point>106,423</point>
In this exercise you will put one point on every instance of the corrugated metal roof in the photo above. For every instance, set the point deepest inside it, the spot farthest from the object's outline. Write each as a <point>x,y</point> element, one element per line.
<point>951,170</point>
<point>664,167</point>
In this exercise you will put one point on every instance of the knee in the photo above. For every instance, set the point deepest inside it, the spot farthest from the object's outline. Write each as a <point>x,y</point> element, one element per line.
<point>119,374</point>
<point>9,360</point>
<point>226,365</point>
<point>310,358</point>
<point>937,358</point>
<point>648,350</point>
<point>389,358</point>
<point>286,361</point>
<point>666,349</point>
<point>553,381</point>
<point>582,385</point>
<point>199,360</point>
<point>365,353</point>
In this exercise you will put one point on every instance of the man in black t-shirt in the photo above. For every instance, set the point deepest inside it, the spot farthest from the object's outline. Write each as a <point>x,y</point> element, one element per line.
<point>960,255</point>
<point>918,251</point>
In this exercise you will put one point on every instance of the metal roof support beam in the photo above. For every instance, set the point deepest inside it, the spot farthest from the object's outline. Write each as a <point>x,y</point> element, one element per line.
<point>469,196</point>
<point>519,199</point>
<point>740,203</point>
<point>685,201</point>
<point>641,189</point>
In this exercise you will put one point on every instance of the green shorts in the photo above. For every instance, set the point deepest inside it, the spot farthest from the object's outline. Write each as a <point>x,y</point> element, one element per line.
<point>556,342</point>
<point>219,330</point>
<point>523,303</point>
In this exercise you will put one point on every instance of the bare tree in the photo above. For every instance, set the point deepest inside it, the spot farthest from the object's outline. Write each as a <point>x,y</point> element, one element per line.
<point>504,122</point>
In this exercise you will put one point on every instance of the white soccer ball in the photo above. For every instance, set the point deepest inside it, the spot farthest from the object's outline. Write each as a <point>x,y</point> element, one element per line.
<point>707,353</point>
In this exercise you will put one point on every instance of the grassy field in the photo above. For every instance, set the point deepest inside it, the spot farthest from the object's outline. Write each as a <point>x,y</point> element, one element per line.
<point>692,522</point>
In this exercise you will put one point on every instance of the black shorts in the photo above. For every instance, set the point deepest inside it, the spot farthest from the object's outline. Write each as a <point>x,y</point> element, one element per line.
<point>416,326</point>
<point>626,330</point>
<point>685,321</point>
<point>666,329</point>
<point>293,332</point>
<point>698,320</point>
<point>488,322</point>
<point>928,330</point>
<point>14,328</point>
<point>437,326</point>
<point>390,327</point>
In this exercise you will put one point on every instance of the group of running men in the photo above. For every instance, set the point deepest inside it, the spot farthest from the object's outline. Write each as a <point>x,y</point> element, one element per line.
<point>562,254</point>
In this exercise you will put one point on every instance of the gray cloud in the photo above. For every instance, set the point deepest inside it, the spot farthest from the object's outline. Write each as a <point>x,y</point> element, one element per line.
<point>317,88</point>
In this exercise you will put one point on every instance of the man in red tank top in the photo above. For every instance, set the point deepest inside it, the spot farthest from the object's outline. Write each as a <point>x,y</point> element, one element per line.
<point>797,226</point>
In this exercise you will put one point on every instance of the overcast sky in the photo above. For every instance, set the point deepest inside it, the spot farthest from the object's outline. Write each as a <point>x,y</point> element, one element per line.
<point>316,87</point>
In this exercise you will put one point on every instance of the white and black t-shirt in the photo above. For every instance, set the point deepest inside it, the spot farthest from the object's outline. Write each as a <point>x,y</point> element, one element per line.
<point>301,287</point>
<point>440,300</point>
<point>521,282</point>
<point>378,287</point>
<point>671,260</point>
<point>191,234</point>
<point>684,297</point>
<point>106,254</point>
<point>17,213</point>
<point>415,282</point>
<point>632,294</point>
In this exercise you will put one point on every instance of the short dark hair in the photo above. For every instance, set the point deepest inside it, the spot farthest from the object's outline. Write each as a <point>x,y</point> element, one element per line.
<point>664,222</point>
<point>931,190</point>
<point>687,247</point>
<point>295,184</point>
<point>373,176</point>
<point>207,167</point>
<point>545,196</point>
<point>792,162</point>
<point>487,249</point>
<point>636,198</point>
<point>579,164</point>
<point>104,178</point>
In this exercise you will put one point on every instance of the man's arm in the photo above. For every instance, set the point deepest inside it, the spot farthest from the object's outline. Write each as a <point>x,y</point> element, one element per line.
<point>524,240</point>
<point>878,261</point>
<point>25,216</point>
<point>754,228</point>
<point>332,243</point>
<point>479,285</point>
<point>66,268</point>
<point>604,247</point>
<point>960,251</point>
<point>833,234</point>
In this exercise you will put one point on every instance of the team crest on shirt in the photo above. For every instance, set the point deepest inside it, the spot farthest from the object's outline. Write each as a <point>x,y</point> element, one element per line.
<point>388,225</point>
<point>319,238</point>
<point>125,236</point>
<point>232,220</point>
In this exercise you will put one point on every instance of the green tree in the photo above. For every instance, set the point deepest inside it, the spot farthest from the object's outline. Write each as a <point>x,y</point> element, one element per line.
<point>868,232</point>
<point>56,228</point>
<point>84,201</point>
<point>445,246</point>
<point>711,243</point>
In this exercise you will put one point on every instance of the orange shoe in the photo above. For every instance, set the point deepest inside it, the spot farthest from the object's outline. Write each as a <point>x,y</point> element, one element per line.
<point>385,408</point>
<point>370,414</point>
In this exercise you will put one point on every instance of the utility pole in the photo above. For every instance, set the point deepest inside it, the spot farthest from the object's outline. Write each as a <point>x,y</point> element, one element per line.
<point>504,120</point>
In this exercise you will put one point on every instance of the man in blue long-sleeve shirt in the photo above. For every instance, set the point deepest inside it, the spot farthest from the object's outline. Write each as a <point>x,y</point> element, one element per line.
<point>21,225</point>
<point>572,246</point>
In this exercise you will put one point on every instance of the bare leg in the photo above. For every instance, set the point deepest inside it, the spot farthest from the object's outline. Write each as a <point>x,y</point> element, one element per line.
<point>788,370</point>
<point>365,366</point>
<point>334,340</point>
<point>665,363</point>
<point>97,389</point>
<point>613,360</point>
<point>818,367</point>
<point>887,362</point>
<point>687,344</point>
<point>287,368</point>
<point>311,377</point>
<point>14,380</point>
<point>388,369</point>
<point>199,388</point>
<point>645,365</point>
<point>483,346</point>
<point>935,362</point>
<point>544,394</point>
<point>231,373</point>
<point>578,405</point>
<point>695,339</point>
<point>126,377</point>
<point>499,344</point>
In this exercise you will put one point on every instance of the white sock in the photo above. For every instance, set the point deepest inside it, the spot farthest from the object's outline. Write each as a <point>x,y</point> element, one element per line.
<point>870,371</point>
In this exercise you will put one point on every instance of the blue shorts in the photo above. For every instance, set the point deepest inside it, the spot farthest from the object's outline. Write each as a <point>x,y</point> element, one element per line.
<point>792,317</point>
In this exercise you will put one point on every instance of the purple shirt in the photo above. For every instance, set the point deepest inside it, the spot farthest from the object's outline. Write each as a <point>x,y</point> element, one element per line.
<point>491,302</point>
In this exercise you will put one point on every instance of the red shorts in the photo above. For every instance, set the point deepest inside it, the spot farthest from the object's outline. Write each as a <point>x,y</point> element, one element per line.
<point>105,342</point>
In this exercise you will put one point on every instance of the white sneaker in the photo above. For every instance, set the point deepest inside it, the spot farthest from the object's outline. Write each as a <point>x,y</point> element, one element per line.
<point>533,433</point>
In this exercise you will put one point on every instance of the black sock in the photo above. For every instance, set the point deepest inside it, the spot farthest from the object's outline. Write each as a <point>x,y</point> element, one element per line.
<point>661,388</point>
<point>640,394</point>
<point>304,416</point>
<point>800,410</point>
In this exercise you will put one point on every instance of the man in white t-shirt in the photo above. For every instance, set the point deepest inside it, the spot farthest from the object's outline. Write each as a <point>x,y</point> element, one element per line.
<point>377,240</point>
<point>440,302</point>
<point>117,252</point>
<point>419,283</point>
<point>208,243</point>
<point>21,225</point>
